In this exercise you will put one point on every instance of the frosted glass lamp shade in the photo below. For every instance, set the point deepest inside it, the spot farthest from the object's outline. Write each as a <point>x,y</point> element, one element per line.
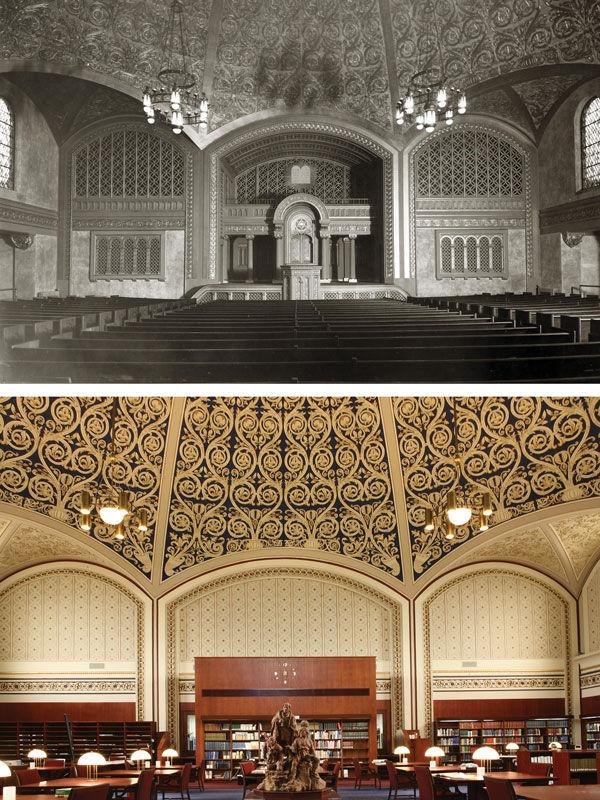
<point>4,770</point>
<point>402,750</point>
<point>112,515</point>
<point>91,759</point>
<point>555,746</point>
<point>434,752</point>
<point>36,753</point>
<point>512,747</point>
<point>170,753</point>
<point>141,755</point>
<point>486,754</point>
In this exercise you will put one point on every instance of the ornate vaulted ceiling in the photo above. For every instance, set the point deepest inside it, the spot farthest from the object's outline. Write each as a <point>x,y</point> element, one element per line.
<point>343,56</point>
<point>345,480</point>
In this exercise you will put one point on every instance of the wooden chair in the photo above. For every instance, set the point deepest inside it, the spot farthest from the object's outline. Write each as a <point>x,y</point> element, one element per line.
<point>54,762</point>
<point>99,792</point>
<point>399,780</point>
<point>427,788</point>
<point>248,780</point>
<point>145,789</point>
<point>177,783</point>
<point>26,776</point>
<point>365,771</point>
<point>331,778</point>
<point>197,775</point>
<point>498,789</point>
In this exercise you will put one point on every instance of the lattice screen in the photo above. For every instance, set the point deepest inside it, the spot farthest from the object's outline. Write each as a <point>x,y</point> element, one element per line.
<point>269,182</point>
<point>470,255</point>
<point>129,163</point>
<point>469,163</point>
<point>130,256</point>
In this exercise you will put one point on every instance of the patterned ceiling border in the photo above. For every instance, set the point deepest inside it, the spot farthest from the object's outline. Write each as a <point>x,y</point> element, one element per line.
<point>41,220</point>
<point>173,607</point>
<point>428,676</point>
<point>140,633</point>
<point>512,682</point>
<point>70,686</point>
<point>469,204</point>
<point>216,200</point>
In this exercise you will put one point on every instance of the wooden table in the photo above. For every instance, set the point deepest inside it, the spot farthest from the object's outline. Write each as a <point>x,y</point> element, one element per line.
<point>474,782</point>
<point>135,773</point>
<point>433,770</point>
<point>586,792</point>
<point>117,785</point>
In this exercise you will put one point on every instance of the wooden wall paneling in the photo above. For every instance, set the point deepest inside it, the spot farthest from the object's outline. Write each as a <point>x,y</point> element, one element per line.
<point>78,712</point>
<point>499,708</point>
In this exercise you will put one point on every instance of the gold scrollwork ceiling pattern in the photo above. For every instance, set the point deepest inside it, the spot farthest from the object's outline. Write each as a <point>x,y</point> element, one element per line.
<point>529,452</point>
<point>274,472</point>
<point>52,448</point>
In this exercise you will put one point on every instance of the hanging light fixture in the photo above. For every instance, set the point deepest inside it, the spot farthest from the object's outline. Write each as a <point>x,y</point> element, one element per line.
<point>113,507</point>
<point>430,99</point>
<point>457,512</point>
<point>175,97</point>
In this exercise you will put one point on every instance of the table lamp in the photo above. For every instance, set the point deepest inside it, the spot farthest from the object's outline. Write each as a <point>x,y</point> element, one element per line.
<point>91,761</point>
<point>485,755</point>
<point>512,747</point>
<point>170,754</point>
<point>140,757</point>
<point>404,751</point>
<point>555,746</point>
<point>37,756</point>
<point>433,753</point>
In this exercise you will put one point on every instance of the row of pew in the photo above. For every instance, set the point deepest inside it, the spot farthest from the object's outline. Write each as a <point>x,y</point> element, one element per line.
<point>475,339</point>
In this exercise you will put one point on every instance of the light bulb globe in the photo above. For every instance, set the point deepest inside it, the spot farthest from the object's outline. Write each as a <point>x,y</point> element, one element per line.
<point>458,516</point>
<point>112,515</point>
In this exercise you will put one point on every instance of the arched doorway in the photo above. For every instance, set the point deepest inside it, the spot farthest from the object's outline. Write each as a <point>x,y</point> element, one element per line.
<point>300,236</point>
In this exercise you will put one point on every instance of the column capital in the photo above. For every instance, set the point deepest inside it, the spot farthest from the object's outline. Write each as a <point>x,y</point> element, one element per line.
<point>352,236</point>
<point>250,236</point>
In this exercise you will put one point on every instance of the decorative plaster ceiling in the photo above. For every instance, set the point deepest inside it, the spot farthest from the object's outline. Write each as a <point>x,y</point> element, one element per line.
<point>341,479</point>
<point>344,56</point>
<point>541,94</point>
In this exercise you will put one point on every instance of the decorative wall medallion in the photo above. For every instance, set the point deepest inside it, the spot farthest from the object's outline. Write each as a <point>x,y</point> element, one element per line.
<point>572,239</point>
<point>21,241</point>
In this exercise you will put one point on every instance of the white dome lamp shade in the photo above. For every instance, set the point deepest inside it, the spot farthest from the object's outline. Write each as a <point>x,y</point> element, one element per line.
<point>4,770</point>
<point>512,747</point>
<point>140,757</point>
<point>403,751</point>
<point>433,753</point>
<point>91,761</point>
<point>37,756</point>
<point>457,514</point>
<point>485,755</point>
<point>115,513</point>
<point>169,754</point>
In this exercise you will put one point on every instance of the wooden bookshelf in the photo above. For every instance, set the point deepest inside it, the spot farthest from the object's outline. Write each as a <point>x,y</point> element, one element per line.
<point>591,732</point>
<point>109,738</point>
<point>336,695</point>
<point>460,737</point>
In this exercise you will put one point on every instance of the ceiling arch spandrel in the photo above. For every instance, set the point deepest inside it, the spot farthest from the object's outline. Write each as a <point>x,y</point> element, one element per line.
<point>52,448</point>
<point>310,55</point>
<point>530,453</point>
<point>120,38</point>
<point>282,472</point>
<point>481,39</point>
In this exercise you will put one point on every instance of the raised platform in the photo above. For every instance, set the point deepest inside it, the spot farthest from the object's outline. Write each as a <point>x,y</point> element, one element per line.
<point>270,291</point>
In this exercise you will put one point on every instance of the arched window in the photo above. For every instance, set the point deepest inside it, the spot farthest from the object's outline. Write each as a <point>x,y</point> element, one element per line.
<point>590,144</point>
<point>7,130</point>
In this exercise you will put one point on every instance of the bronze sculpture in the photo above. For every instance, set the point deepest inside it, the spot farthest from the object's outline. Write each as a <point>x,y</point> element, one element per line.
<point>292,764</point>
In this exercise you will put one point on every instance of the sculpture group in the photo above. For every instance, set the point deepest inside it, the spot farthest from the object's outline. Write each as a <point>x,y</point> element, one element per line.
<point>292,764</point>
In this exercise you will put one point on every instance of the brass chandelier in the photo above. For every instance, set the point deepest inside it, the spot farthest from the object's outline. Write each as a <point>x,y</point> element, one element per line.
<point>175,97</point>
<point>113,506</point>
<point>430,98</point>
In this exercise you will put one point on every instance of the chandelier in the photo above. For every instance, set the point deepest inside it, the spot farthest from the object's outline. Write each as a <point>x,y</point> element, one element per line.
<point>285,673</point>
<point>430,98</point>
<point>457,509</point>
<point>112,506</point>
<point>175,97</point>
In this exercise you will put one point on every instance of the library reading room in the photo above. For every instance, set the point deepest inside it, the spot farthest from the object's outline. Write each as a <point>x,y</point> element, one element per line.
<point>306,597</point>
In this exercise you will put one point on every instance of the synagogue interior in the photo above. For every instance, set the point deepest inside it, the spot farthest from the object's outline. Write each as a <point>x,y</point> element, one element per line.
<point>215,191</point>
<point>406,573</point>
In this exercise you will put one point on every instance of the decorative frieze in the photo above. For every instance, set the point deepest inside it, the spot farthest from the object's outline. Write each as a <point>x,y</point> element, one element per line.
<point>590,680</point>
<point>581,215</point>
<point>470,222</point>
<point>23,214</point>
<point>478,683</point>
<point>81,223</point>
<point>68,686</point>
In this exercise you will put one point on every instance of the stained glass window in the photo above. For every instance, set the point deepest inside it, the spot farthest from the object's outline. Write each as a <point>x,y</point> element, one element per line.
<point>6,145</point>
<point>590,144</point>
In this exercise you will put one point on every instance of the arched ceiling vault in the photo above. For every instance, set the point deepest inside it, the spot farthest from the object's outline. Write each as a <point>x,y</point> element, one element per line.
<point>328,56</point>
<point>345,480</point>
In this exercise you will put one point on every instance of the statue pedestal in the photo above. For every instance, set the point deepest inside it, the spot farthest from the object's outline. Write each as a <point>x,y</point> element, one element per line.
<point>301,282</point>
<point>320,794</point>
